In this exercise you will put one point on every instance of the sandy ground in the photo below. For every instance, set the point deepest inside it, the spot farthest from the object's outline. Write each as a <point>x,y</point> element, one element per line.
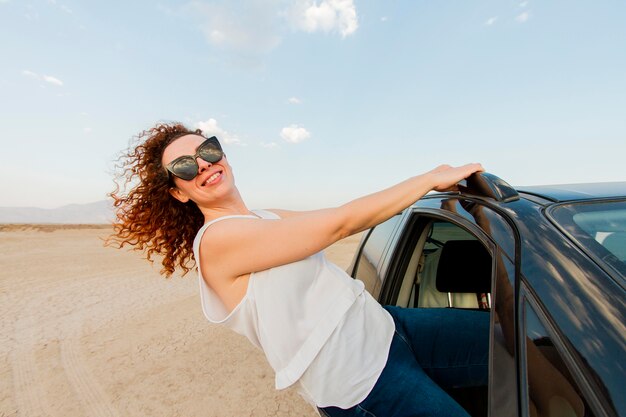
<point>92,331</point>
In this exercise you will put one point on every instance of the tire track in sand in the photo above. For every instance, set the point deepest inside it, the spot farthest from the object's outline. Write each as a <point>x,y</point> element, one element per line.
<point>29,395</point>
<point>33,317</point>
<point>93,399</point>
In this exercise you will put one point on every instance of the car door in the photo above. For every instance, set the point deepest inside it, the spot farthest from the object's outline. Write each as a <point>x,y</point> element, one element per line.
<point>457,252</point>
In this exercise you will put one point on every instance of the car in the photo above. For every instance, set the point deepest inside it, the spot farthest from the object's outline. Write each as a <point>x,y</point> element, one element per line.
<point>547,263</point>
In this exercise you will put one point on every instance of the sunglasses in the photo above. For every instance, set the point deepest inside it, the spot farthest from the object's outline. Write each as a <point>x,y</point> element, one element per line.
<point>186,168</point>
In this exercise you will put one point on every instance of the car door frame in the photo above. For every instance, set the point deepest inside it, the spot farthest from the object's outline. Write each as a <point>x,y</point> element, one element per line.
<point>396,259</point>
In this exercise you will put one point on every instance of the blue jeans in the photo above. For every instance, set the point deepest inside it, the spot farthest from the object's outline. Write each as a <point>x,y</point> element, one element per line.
<point>432,349</point>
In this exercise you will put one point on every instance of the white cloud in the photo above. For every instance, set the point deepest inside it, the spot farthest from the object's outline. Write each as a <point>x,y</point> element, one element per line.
<point>294,133</point>
<point>210,128</point>
<point>87,130</point>
<point>269,145</point>
<point>52,80</point>
<point>491,21</point>
<point>523,17</point>
<point>252,28</point>
<point>384,19</point>
<point>47,78</point>
<point>30,74</point>
<point>247,26</point>
<point>294,100</point>
<point>327,16</point>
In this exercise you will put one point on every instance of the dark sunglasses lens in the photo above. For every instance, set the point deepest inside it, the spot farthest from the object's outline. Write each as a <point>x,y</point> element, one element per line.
<point>186,169</point>
<point>210,152</point>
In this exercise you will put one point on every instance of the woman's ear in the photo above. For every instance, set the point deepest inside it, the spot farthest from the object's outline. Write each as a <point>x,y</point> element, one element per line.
<point>178,195</point>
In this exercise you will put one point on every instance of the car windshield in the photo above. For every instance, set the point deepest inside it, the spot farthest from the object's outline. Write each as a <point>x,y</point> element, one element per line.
<point>599,227</point>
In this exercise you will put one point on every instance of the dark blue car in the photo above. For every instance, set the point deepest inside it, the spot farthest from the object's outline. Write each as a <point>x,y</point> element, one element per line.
<point>547,263</point>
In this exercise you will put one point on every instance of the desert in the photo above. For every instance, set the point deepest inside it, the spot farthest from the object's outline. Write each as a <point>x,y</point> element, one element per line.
<point>89,330</point>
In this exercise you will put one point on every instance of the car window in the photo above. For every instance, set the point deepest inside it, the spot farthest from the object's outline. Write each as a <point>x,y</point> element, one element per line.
<point>551,391</point>
<point>371,253</point>
<point>439,264</point>
<point>599,227</point>
<point>452,261</point>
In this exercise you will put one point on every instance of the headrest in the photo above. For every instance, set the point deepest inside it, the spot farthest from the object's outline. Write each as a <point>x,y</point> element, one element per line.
<point>464,266</point>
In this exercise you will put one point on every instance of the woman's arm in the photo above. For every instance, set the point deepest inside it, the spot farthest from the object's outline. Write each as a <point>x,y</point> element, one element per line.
<point>283,214</point>
<point>238,246</point>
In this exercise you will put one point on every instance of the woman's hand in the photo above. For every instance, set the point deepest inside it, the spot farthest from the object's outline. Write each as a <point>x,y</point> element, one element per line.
<point>446,177</point>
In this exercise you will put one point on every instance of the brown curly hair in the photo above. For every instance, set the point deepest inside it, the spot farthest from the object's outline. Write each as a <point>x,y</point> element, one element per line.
<point>147,216</point>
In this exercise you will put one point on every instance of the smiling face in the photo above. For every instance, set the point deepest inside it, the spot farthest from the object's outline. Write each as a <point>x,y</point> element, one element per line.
<point>213,182</point>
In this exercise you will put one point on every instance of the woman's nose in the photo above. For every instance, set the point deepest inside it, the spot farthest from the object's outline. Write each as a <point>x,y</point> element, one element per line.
<point>202,164</point>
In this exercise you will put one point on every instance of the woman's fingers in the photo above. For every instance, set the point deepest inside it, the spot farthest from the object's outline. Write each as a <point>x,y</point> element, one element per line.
<point>447,177</point>
<point>470,168</point>
<point>473,167</point>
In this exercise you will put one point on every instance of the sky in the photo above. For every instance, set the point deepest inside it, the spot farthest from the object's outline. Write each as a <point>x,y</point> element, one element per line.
<point>316,102</point>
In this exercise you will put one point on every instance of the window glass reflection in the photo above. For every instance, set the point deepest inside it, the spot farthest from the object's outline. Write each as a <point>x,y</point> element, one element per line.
<point>371,254</point>
<point>552,391</point>
<point>599,227</point>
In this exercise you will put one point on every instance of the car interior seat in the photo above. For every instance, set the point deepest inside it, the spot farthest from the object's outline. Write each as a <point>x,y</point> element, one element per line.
<point>464,270</point>
<point>453,275</point>
<point>464,267</point>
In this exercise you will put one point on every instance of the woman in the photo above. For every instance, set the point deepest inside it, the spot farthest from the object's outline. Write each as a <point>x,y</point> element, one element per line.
<point>262,274</point>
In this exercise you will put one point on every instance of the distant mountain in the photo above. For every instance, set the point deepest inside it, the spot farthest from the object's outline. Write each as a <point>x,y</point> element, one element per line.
<point>91,213</point>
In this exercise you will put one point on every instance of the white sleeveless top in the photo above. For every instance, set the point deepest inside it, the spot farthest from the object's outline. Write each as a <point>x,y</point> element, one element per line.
<point>316,325</point>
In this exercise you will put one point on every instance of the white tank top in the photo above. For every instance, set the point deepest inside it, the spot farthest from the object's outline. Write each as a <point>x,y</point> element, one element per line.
<point>316,325</point>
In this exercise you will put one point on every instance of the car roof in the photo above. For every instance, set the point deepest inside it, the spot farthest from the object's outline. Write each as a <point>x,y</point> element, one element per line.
<point>575,192</point>
<point>489,186</point>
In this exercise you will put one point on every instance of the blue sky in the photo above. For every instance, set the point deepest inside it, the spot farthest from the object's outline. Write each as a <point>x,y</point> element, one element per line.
<point>318,101</point>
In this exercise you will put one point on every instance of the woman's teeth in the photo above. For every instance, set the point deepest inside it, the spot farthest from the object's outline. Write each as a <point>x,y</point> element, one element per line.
<point>212,178</point>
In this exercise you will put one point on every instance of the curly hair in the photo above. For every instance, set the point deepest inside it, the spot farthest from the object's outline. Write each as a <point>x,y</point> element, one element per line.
<point>147,216</point>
